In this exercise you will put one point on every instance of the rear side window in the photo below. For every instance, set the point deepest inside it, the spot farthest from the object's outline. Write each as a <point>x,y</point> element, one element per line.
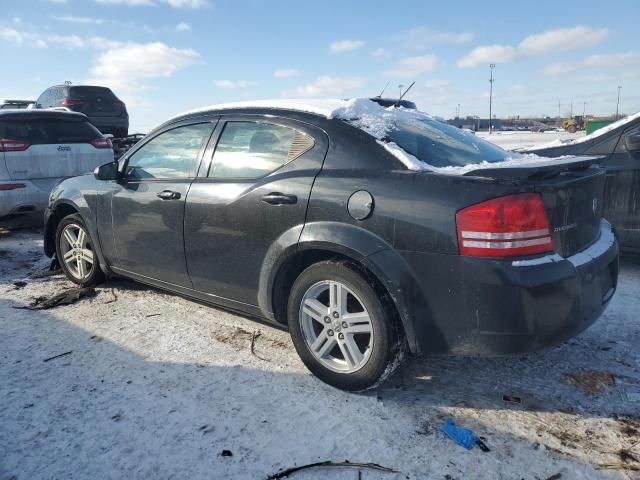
<point>171,155</point>
<point>252,149</point>
<point>49,131</point>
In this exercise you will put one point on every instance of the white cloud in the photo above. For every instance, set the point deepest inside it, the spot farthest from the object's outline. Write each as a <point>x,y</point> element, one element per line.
<point>628,61</point>
<point>57,1</point>
<point>413,66</point>
<point>152,3</point>
<point>381,53</point>
<point>78,20</point>
<point>420,38</point>
<point>102,43</point>
<point>560,40</point>
<point>66,41</point>
<point>286,73</point>
<point>344,46</point>
<point>128,66</point>
<point>563,39</point>
<point>235,84</point>
<point>326,86</point>
<point>434,84</point>
<point>488,54</point>
<point>183,27</point>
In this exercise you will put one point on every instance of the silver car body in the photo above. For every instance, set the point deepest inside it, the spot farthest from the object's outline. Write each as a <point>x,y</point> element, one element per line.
<point>27,176</point>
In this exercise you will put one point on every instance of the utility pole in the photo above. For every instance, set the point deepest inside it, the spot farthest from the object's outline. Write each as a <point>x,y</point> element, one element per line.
<point>458,111</point>
<point>618,102</point>
<point>491,66</point>
<point>400,87</point>
<point>584,108</point>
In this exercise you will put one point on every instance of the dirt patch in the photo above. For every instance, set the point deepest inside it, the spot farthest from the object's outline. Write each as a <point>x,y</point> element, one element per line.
<point>589,381</point>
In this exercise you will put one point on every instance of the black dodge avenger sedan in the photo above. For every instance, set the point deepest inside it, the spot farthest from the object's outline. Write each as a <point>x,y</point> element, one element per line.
<point>368,231</point>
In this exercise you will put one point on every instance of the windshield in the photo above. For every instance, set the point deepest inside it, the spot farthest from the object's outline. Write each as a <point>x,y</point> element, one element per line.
<point>442,145</point>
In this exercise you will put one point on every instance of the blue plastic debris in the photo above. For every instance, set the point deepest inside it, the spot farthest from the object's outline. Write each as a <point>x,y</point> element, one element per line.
<point>462,436</point>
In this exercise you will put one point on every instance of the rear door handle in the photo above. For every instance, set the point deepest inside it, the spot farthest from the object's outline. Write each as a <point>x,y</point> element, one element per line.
<point>168,195</point>
<point>277,198</point>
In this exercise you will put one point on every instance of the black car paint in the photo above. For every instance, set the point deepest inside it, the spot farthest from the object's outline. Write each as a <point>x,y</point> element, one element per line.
<point>117,125</point>
<point>622,189</point>
<point>408,246</point>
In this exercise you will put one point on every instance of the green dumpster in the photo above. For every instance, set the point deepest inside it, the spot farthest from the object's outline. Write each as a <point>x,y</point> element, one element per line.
<point>593,125</point>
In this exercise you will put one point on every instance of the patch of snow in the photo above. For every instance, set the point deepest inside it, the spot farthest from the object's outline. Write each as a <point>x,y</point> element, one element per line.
<point>552,258</point>
<point>604,243</point>
<point>596,134</point>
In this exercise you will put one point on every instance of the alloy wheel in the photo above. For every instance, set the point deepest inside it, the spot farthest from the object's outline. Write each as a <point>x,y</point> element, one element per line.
<point>76,251</point>
<point>336,326</point>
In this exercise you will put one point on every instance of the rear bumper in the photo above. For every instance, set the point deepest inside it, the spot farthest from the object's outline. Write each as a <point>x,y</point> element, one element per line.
<point>494,307</point>
<point>22,200</point>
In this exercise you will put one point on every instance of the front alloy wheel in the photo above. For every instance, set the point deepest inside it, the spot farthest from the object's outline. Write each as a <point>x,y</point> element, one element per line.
<point>76,253</point>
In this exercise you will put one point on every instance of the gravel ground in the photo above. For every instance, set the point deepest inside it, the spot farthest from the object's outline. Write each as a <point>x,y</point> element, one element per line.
<point>156,387</point>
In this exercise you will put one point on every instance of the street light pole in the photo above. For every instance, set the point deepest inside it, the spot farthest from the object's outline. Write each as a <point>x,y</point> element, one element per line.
<point>491,66</point>
<point>618,102</point>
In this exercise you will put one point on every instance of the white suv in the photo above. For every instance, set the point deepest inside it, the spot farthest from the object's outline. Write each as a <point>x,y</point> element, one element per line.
<point>38,148</point>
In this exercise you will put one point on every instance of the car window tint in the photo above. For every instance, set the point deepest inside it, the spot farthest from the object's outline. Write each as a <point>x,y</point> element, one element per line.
<point>48,131</point>
<point>442,145</point>
<point>172,154</point>
<point>251,150</point>
<point>621,145</point>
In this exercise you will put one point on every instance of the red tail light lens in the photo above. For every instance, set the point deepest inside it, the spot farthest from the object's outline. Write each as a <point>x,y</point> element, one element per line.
<point>102,142</point>
<point>11,186</point>
<point>8,145</point>
<point>504,227</point>
<point>71,101</point>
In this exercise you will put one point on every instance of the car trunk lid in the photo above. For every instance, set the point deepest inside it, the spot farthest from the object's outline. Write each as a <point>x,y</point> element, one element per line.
<point>571,190</point>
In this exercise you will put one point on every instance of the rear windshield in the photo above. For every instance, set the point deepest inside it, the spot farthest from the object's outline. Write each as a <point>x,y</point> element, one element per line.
<point>442,145</point>
<point>91,93</point>
<point>46,131</point>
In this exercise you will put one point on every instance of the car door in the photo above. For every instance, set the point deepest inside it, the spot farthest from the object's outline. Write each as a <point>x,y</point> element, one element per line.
<point>255,189</point>
<point>622,192</point>
<point>147,206</point>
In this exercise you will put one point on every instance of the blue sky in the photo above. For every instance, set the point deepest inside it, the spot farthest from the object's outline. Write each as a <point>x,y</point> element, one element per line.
<point>166,56</point>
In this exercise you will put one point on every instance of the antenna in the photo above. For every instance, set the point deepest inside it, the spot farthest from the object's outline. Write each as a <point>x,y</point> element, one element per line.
<point>405,92</point>
<point>385,87</point>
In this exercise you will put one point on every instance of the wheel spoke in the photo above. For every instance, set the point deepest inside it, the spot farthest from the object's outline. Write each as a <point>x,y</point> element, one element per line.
<point>81,265</point>
<point>350,351</point>
<point>69,236</point>
<point>68,256</point>
<point>358,322</point>
<point>87,255</point>
<point>82,238</point>
<point>315,309</point>
<point>338,297</point>
<point>323,344</point>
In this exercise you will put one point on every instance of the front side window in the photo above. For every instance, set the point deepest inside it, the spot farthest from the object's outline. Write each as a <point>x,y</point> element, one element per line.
<point>171,155</point>
<point>252,149</point>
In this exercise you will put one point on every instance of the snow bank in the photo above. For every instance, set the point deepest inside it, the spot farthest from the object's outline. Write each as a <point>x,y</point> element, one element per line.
<point>596,134</point>
<point>379,121</point>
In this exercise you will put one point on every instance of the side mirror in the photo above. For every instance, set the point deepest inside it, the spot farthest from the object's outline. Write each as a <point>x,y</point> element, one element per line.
<point>632,142</point>
<point>108,171</point>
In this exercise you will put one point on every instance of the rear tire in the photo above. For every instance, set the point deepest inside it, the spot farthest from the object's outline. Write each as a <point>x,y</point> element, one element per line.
<point>76,253</point>
<point>343,330</point>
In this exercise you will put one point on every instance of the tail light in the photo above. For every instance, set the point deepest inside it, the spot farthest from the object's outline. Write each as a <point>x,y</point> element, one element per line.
<point>504,227</point>
<point>11,186</point>
<point>102,142</point>
<point>8,145</point>
<point>71,101</point>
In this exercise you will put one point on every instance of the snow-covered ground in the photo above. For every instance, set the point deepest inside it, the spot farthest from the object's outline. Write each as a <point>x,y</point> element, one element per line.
<point>511,140</point>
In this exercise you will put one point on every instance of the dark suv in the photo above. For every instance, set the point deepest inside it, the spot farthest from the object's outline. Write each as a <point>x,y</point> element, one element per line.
<point>104,109</point>
<point>366,230</point>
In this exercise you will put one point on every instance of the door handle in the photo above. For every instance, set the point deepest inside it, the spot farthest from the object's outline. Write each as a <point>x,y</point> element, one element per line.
<point>168,195</point>
<point>277,198</point>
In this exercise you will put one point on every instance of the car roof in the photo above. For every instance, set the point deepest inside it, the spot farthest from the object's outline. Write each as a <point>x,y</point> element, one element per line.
<point>37,114</point>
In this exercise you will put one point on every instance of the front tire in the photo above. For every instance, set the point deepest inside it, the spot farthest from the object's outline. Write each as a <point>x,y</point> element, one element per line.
<point>342,328</point>
<point>76,253</point>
